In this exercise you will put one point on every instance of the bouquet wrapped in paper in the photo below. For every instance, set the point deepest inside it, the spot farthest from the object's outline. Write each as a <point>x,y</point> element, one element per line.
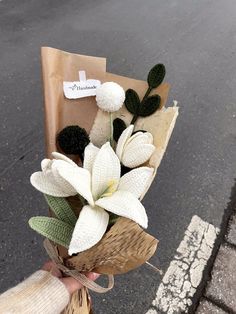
<point>105,138</point>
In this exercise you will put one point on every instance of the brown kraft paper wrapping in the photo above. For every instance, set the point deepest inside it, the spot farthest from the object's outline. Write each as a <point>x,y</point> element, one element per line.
<point>59,66</point>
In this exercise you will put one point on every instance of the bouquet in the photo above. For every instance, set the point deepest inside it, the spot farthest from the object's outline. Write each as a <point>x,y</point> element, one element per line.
<point>105,137</point>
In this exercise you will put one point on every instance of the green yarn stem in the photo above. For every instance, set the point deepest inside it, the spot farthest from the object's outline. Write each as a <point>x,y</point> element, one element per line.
<point>135,117</point>
<point>146,94</point>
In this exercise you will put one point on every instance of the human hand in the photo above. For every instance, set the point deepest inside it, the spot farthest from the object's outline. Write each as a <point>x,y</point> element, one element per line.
<point>71,284</point>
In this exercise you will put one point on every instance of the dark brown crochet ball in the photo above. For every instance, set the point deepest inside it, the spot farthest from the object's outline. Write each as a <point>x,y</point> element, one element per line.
<point>73,140</point>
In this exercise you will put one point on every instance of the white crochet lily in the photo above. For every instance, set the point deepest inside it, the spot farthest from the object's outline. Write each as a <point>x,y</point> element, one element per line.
<point>49,180</point>
<point>99,182</point>
<point>134,150</point>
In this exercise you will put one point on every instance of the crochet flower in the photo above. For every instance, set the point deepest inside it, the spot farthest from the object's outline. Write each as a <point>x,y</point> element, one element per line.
<point>100,184</point>
<point>73,140</point>
<point>50,182</point>
<point>134,150</point>
<point>110,96</point>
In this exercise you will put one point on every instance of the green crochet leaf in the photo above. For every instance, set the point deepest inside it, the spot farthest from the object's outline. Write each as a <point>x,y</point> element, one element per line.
<point>118,127</point>
<point>156,75</point>
<point>150,105</point>
<point>53,229</point>
<point>132,101</point>
<point>61,209</point>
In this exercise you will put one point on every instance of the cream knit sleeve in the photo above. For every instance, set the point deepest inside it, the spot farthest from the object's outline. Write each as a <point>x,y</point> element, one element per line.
<point>41,293</point>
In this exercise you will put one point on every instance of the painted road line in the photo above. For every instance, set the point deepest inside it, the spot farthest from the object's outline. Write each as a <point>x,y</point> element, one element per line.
<point>185,271</point>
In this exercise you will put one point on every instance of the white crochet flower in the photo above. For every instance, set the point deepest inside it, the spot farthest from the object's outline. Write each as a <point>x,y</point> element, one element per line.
<point>99,182</point>
<point>50,182</point>
<point>134,150</point>
<point>110,96</point>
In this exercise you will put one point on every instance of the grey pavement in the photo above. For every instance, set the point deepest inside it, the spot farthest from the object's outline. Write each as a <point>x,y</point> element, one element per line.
<point>207,307</point>
<point>196,40</point>
<point>220,292</point>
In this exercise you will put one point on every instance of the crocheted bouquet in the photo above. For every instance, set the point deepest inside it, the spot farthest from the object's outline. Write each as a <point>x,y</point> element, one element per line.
<point>94,183</point>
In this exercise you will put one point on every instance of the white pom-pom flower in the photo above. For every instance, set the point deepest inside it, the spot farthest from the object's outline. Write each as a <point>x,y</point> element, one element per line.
<point>110,96</point>
<point>134,150</point>
<point>100,183</point>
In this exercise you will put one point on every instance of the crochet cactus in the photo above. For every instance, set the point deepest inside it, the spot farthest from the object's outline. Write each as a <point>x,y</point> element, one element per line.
<point>61,209</point>
<point>53,229</point>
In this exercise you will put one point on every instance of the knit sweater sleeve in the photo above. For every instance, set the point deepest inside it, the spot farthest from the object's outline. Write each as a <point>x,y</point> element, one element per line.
<point>41,293</point>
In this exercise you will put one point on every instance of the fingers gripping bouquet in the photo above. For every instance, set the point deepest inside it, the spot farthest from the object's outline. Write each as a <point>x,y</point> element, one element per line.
<point>94,183</point>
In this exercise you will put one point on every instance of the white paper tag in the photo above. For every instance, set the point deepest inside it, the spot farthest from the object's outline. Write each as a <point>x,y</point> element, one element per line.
<point>81,88</point>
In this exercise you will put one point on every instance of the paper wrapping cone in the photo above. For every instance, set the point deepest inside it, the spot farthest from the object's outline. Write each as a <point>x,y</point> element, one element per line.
<point>59,66</point>
<point>80,303</point>
<point>130,245</point>
<point>124,247</point>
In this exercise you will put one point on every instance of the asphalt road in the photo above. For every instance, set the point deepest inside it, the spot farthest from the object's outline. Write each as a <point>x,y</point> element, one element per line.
<point>196,40</point>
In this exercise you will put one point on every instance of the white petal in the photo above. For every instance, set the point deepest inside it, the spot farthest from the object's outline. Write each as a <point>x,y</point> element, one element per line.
<point>141,137</point>
<point>89,229</point>
<point>136,155</point>
<point>59,156</point>
<point>137,134</point>
<point>123,139</point>
<point>125,204</point>
<point>150,137</point>
<point>138,139</point>
<point>106,170</point>
<point>90,154</point>
<point>46,183</point>
<point>46,164</point>
<point>136,181</point>
<point>77,177</point>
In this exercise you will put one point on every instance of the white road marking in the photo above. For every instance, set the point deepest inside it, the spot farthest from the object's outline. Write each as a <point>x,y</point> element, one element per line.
<point>185,271</point>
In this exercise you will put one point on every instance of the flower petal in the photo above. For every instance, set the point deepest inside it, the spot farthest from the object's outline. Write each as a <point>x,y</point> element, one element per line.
<point>77,177</point>
<point>89,229</point>
<point>137,134</point>
<point>46,164</point>
<point>90,154</point>
<point>45,182</point>
<point>125,204</point>
<point>150,137</point>
<point>136,155</point>
<point>60,156</point>
<point>139,138</point>
<point>136,181</point>
<point>106,171</point>
<point>123,139</point>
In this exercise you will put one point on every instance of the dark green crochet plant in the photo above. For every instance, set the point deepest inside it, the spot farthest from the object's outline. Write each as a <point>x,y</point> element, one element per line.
<point>145,107</point>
